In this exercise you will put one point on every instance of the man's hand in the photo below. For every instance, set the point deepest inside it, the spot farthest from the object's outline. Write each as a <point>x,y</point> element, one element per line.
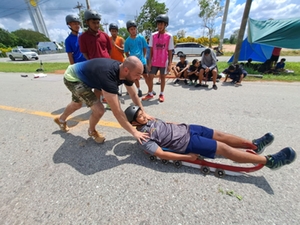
<point>193,156</point>
<point>207,70</point>
<point>141,136</point>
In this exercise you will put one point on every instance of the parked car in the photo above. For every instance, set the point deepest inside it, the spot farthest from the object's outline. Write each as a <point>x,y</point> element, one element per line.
<point>22,53</point>
<point>189,48</point>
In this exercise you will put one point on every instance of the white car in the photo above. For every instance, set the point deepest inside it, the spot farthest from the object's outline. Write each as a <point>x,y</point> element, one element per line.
<point>21,53</point>
<point>189,48</point>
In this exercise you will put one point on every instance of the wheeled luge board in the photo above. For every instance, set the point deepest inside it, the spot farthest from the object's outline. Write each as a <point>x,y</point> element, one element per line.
<point>206,167</point>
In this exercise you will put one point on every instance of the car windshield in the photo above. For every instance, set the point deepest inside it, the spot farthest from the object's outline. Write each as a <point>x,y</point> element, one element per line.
<point>25,50</point>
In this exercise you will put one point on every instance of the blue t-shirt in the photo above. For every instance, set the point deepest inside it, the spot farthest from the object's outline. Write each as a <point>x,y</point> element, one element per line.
<point>280,65</point>
<point>100,73</point>
<point>72,46</point>
<point>135,47</point>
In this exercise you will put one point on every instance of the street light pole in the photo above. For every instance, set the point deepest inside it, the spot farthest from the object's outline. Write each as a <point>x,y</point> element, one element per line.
<point>242,31</point>
<point>88,4</point>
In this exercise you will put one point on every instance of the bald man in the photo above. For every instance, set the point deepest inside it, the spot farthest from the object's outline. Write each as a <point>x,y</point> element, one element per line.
<point>106,75</point>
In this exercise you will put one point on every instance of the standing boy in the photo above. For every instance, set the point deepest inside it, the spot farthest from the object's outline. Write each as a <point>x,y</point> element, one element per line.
<point>71,42</point>
<point>117,43</point>
<point>161,46</point>
<point>94,43</point>
<point>136,45</point>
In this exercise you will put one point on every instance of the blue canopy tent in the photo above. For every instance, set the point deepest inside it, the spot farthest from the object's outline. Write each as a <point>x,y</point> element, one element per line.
<point>257,52</point>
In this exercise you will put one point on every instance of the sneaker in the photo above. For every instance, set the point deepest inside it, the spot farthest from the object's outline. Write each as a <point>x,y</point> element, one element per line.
<point>157,83</point>
<point>215,87</point>
<point>140,93</point>
<point>262,142</point>
<point>153,92</point>
<point>104,100</point>
<point>186,82</point>
<point>96,136</point>
<point>191,83</point>
<point>147,97</point>
<point>62,125</point>
<point>284,157</point>
<point>176,81</point>
<point>161,98</point>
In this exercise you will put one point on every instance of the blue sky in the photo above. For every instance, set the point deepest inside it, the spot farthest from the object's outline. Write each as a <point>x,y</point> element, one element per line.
<point>183,14</point>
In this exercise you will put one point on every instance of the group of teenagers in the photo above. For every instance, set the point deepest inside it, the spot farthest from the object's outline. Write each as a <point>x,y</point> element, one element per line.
<point>97,74</point>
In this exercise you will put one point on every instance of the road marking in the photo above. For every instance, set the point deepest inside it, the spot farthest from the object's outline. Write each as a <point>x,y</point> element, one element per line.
<point>47,114</point>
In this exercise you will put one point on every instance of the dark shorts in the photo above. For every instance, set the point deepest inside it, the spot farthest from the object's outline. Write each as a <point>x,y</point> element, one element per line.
<point>201,142</point>
<point>274,58</point>
<point>154,70</point>
<point>210,71</point>
<point>81,93</point>
<point>145,70</point>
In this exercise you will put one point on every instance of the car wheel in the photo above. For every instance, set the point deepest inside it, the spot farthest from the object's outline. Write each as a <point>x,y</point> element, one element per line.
<point>12,58</point>
<point>25,58</point>
<point>36,58</point>
<point>179,53</point>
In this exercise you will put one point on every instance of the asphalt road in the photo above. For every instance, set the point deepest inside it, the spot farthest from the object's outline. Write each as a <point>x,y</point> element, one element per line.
<point>62,57</point>
<point>50,177</point>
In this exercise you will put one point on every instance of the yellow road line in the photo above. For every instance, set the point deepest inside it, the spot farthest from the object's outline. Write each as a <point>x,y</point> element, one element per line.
<point>46,114</point>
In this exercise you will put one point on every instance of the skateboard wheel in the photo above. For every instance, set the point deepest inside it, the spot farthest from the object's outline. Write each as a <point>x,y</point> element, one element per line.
<point>177,164</point>
<point>219,173</point>
<point>164,161</point>
<point>205,169</point>
<point>152,158</point>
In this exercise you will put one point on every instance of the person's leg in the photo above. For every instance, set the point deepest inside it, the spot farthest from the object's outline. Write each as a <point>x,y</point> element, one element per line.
<point>214,75</point>
<point>200,77</point>
<point>232,140</point>
<point>97,112</point>
<point>150,84</point>
<point>139,91</point>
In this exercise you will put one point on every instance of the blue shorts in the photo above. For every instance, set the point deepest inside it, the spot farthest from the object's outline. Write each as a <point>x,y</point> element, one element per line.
<point>201,141</point>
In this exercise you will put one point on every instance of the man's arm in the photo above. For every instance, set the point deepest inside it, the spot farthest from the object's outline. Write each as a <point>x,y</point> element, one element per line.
<point>174,156</point>
<point>113,101</point>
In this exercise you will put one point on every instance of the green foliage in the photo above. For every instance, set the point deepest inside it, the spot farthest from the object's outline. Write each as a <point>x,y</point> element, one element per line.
<point>7,39</point>
<point>146,19</point>
<point>233,38</point>
<point>123,33</point>
<point>31,67</point>
<point>209,11</point>
<point>29,38</point>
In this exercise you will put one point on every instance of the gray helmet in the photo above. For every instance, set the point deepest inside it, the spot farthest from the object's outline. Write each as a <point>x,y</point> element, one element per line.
<point>72,18</point>
<point>163,18</point>
<point>131,113</point>
<point>130,23</point>
<point>91,14</point>
<point>113,26</point>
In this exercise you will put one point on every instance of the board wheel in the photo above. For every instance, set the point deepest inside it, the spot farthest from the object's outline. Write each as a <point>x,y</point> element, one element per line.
<point>177,164</point>
<point>164,161</point>
<point>219,173</point>
<point>205,169</point>
<point>152,158</point>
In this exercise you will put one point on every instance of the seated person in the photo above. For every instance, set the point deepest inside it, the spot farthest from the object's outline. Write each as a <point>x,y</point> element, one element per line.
<point>193,72</point>
<point>280,66</point>
<point>249,64</point>
<point>208,67</point>
<point>187,142</point>
<point>180,70</point>
<point>236,73</point>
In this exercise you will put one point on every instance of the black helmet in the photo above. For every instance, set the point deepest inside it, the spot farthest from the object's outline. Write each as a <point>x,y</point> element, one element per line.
<point>131,113</point>
<point>163,18</point>
<point>130,23</point>
<point>91,14</point>
<point>72,18</point>
<point>113,26</point>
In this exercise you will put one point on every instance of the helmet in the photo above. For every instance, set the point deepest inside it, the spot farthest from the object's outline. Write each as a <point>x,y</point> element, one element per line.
<point>113,26</point>
<point>72,18</point>
<point>163,18</point>
<point>91,14</point>
<point>131,113</point>
<point>130,23</point>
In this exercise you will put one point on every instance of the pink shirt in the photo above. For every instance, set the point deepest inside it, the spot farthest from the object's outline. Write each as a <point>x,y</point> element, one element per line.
<point>161,44</point>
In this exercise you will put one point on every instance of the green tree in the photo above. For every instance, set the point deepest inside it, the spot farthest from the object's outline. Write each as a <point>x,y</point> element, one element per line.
<point>146,19</point>
<point>233,38</point>
<point>123,33</point>
<point>7,39</point>
<point>29,38</point>
<point>209,11</point>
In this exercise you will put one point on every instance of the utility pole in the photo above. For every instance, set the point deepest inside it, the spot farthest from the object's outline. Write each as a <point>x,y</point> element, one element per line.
<point>79,7</point>
<point>242,31</point>
<point>88,4</point>
<point>224,24</point>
